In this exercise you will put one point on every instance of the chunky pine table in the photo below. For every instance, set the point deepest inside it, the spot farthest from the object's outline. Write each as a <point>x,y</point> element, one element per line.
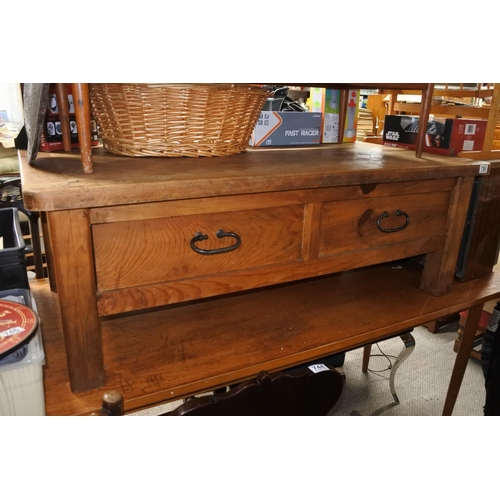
<point>179,275</point>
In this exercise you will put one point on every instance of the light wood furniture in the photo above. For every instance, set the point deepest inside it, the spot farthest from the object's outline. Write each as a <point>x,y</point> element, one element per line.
<point>489,112</point>
<point>442,96</point>
<point>130,237</point>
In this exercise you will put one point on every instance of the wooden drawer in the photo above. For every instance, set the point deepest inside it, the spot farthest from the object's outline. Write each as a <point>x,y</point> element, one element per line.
<point>353,225</point>
<point>141,252</point>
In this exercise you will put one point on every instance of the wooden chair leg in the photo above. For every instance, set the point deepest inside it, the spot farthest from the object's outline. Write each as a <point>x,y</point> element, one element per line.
<point>81,98</point>
<point>62,105</point>
<point>425,109</point>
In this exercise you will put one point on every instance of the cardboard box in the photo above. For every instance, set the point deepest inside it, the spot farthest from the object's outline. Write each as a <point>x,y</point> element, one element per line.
<point>51,136</point>
<point>327,101</point>
<point>351,118</point>
<point>445,136</point>
<point>283,128</point>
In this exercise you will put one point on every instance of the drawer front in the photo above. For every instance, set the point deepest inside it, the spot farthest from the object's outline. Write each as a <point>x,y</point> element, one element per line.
<point>354,225</point>
<point>143,252</point>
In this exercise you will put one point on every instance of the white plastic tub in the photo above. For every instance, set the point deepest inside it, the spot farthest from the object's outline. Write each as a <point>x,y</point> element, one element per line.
<point>21,382</point>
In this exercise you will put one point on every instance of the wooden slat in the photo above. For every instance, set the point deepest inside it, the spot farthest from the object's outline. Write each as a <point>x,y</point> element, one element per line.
<point>494,112</point>
<point>468,111</point>
<point>481,93</point>
<point>480,155</point>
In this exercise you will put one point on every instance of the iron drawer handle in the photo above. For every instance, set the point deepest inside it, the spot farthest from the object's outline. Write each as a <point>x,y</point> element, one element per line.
<point>220,234</point>
<point>394,230</point>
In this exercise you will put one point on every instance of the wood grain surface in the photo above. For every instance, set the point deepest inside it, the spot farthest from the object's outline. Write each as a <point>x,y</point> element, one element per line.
<point>55,181</point>
<point>172,352</point>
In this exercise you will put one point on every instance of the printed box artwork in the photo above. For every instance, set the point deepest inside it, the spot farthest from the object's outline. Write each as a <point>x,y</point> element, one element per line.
<point>284,128</point>
<point>445,136</point>
<point>351,119</point>
<point>51,137</point>
<point>331,116</point>
<point>327,101</point>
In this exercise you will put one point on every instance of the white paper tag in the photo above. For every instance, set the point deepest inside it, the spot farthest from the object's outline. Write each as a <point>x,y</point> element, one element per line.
<point>468,146</point>
<point>483,168</point>
<point>318,368</point>
<point>11,331</point>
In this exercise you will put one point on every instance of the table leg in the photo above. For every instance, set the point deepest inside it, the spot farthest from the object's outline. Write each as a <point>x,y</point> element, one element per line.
<point>463,355</point>
<point>366,357</point>
<point>36,244</point>
<point>70,240</point>
<point>439,267</point>
<point>409,346</point>
<point>49,259</point>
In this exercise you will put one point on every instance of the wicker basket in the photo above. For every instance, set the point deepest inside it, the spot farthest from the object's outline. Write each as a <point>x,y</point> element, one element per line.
<point>174,119</point>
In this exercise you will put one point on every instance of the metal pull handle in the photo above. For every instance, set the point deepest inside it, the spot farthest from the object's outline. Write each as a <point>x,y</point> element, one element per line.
<point>220,234</point>
<point>393,230</point>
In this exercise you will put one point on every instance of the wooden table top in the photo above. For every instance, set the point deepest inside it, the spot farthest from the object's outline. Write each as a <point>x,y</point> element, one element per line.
<point>55,181</point>
<point>171,352</point>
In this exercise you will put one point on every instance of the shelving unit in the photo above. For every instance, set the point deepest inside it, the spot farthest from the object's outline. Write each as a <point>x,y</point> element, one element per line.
<point>469,103</point>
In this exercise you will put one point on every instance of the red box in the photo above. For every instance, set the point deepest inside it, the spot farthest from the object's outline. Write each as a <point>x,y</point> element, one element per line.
<point>445,136</point>
<point>51,137</point>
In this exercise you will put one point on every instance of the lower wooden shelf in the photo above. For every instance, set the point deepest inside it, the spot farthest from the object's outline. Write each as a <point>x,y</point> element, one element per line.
<point>176,351</point>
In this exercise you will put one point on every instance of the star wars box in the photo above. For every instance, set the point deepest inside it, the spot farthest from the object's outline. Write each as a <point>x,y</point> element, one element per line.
<point>285,128</point>
<point>444,136</point>
<point>51,137</point>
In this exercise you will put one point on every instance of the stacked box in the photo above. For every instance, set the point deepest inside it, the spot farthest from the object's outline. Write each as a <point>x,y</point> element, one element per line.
<point>444,136</point>
<point>351,119</point>
<point>327,102</point>
<point>51,137</point>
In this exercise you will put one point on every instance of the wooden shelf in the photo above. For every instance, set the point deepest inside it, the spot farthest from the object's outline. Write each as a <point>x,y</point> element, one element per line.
<point>177,351</point>
<point>439,110</point>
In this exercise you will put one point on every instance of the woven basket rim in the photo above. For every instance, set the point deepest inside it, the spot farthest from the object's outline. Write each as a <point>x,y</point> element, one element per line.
<point>176,119</point>
<point>253,86</point>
